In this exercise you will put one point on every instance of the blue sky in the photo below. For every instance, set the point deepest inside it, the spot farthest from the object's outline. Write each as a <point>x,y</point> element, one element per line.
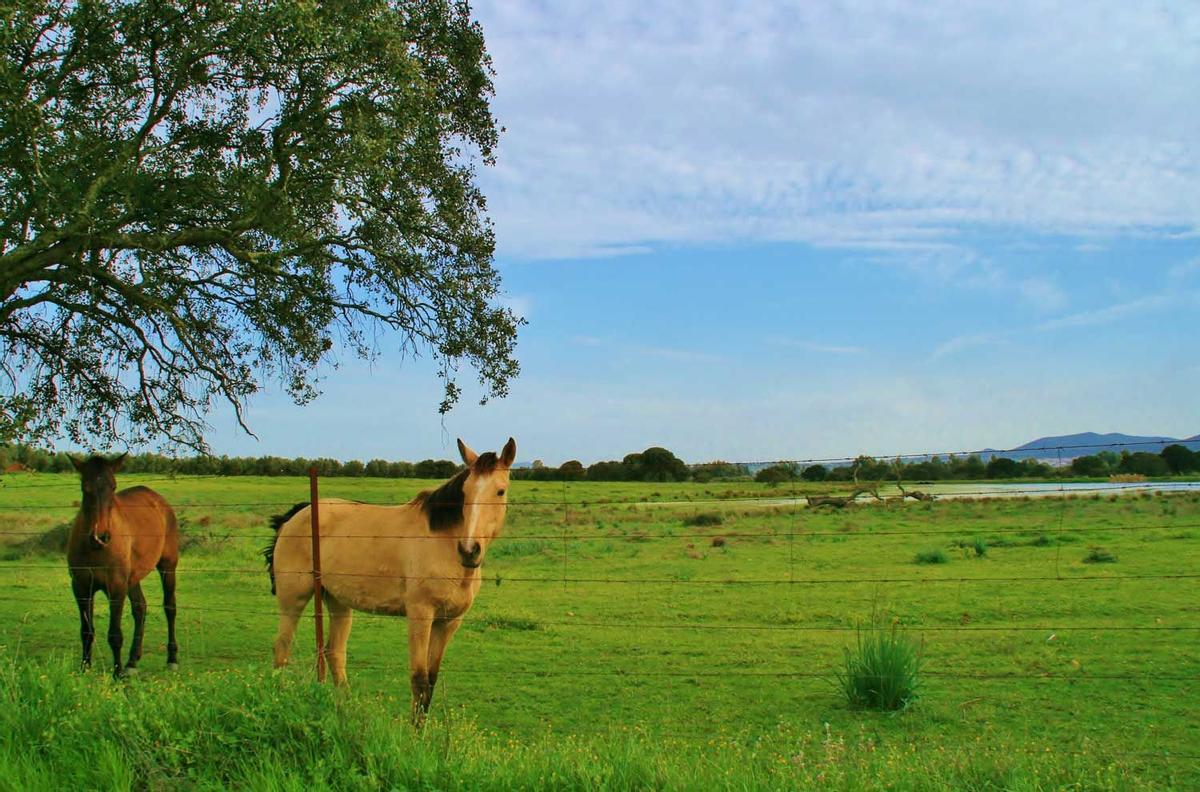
<point>761,231</point>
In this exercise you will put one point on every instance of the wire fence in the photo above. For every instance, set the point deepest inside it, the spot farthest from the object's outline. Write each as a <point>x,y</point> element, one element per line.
<point>787,504</point>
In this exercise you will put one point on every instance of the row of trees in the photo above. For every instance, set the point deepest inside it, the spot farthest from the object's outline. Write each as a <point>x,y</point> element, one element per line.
<point>1173,460</point>
<point>653,464</point>
<point>58,462</point>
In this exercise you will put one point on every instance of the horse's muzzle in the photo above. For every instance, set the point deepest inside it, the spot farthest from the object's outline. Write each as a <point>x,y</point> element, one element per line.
<point>471,557</point>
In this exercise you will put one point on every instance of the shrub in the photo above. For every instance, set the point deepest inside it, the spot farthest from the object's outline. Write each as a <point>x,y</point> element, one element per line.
<point>882,671</point>
<point>1099,555</point>
<point>703,519</point>
<point>980,546</point>
<point>52,542</point>
<point>931,557</point>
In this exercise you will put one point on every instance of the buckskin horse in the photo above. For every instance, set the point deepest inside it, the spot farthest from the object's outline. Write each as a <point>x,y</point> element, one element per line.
<point>116,539</point>
<point>420,560</point>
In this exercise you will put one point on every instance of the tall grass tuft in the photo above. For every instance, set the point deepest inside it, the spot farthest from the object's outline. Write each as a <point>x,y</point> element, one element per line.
<point>931,557</point>
<point>1099,555</point>
<point>882,671</point>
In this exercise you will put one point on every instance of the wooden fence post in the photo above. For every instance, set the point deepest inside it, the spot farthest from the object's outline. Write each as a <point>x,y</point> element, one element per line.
<point>316,556</point>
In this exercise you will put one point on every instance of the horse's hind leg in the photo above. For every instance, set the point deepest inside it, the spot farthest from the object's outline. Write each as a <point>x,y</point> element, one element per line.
<point>166,571</point>
<point>340,617</point>
<point>137,603</point>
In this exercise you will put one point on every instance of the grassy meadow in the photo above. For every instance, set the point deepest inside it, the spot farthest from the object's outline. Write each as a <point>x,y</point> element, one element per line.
<point>641,635</point>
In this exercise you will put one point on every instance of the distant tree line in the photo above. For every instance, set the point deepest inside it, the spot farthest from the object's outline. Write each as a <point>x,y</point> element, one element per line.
<point>1173,460</point>
<point>44,461</point>
<point>655,464</point>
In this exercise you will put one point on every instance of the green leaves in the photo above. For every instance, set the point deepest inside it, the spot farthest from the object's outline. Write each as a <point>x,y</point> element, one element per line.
<point>195,198</point>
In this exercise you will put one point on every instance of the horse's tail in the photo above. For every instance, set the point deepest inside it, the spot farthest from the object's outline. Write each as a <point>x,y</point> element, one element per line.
<point>277,522</point>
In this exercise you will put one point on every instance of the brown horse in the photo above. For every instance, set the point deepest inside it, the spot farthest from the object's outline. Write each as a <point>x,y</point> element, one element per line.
<point>420,560</point>
<point>117,538</point>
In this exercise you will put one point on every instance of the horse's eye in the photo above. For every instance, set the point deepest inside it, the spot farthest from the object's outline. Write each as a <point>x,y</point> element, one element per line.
<point>501,492</point>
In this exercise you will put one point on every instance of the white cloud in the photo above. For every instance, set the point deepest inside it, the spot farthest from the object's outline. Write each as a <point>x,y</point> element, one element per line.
<point>810,346</point>
<point>964,343</point>
<point>1110,313</point>
<point>1181,272</point>
<point>886,128</point>
<point>1042,293</point>
<point>669,353</point>
<point>521,305</point>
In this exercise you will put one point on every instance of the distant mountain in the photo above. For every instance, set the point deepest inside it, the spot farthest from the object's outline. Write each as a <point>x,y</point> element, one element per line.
<point>1087,443</point>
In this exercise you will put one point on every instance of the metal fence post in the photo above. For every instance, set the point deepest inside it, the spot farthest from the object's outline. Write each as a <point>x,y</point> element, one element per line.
<point>316,557</point>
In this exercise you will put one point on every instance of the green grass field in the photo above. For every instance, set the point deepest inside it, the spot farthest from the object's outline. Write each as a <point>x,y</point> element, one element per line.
<point>618,645</point>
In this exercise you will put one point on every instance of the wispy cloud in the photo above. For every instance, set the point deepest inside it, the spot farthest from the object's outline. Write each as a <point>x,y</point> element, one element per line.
<point>1184,271</point>
<point>967,342</point>
<point>810,346</point>
<point>668,353</point>
<point>1111,313</point>
<point>630,126</point>
<point>1043,294</point>
<point>521,305</point>
<point>684,355</point>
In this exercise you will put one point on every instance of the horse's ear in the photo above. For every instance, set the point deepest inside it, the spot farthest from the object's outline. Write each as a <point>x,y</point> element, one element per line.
<point>119,462</point>
<point>509,453</point>
<point>78,464</point>
<point>468,456</point>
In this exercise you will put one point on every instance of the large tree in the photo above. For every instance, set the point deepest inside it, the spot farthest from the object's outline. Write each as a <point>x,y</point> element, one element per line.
<point>196,198</point>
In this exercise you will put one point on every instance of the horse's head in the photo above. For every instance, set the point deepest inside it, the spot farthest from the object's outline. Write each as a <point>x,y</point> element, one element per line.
<point>484,500</point>
<point>98,478</point>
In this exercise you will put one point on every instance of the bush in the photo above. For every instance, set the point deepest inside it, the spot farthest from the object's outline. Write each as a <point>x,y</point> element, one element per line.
<point>52,542</point>
<point>1098,555</point>
<point>882,672</point>
<point>931,557</point>
<point>702,519</point>
<point>776,474</point>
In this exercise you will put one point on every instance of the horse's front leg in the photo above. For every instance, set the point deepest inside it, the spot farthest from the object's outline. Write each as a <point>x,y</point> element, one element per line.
<point>137,603</point>
<point>116,606</point>
<point>439,638</point>
<point>84,598</point>
<point>420,623</point>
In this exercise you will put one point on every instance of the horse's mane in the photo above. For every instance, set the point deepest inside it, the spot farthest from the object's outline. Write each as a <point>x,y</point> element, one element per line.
<point>444,505</point>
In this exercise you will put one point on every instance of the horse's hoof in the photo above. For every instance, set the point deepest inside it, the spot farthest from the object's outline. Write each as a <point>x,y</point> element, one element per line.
<point>121,674</point>
<point>172,666</point>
